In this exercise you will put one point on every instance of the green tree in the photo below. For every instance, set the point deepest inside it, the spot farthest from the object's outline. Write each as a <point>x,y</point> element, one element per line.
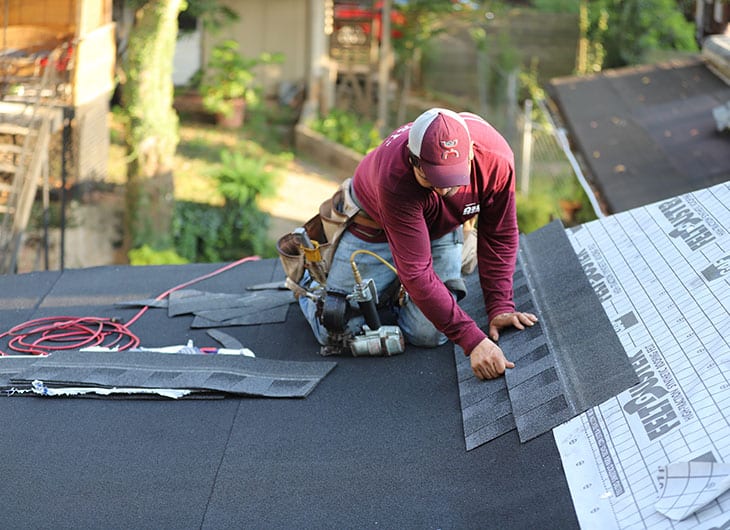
<point>421,20</point>
<point>628,31</point>
<point>151,122</point>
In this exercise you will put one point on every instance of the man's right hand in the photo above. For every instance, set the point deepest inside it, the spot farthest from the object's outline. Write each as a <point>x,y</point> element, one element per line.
<point>488,360</point>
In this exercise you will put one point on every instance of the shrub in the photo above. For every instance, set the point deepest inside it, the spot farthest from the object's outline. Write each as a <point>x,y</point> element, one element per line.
<point>243,179</point>
<point>534,212</point>
<point>557,198</point>
<point>206,233</point>
<point>627,32</point>
<point>229,75</point>
<point>349,130</point>
<point>146,255</point>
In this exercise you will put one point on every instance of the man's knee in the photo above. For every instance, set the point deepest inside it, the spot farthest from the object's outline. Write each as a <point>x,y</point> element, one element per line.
<point>457,287</point>
<point>426,338</point>
<point>419,331</point>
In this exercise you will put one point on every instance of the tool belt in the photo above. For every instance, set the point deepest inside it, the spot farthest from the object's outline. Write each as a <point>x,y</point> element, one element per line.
<point>324,230</point>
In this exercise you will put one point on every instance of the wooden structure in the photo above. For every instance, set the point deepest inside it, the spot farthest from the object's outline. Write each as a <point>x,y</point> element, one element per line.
<point>711,18</point>
<point>56,76</point>
<point>354,52</point>
<point>31,29</point>
<point>24,155</point>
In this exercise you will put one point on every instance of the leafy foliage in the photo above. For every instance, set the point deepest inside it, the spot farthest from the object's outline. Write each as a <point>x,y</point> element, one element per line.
<point>229,75</point>
<point>416,24</point>
<point>556,6</point>
<point>629,30</point>
<point>213,14</point>
<point>421,20</point>
<point>146,255</point>
<point>242,179</point>
<point>534,212</point>
<point>348,129</point>
<point>558,198</point>
<point>206,233</point>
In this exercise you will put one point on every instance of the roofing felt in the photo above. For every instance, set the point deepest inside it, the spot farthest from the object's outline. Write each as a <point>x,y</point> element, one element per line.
<point>663,277</point>
<point>378,442</point>
<point>647,133</point>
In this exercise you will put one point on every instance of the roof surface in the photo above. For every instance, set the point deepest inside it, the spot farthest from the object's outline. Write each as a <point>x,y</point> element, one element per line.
<point>383,442</point>
<point>647,133</point>
<point>378,443</point>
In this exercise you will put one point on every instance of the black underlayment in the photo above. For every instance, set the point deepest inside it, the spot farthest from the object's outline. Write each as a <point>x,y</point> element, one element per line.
<point>377,443</point>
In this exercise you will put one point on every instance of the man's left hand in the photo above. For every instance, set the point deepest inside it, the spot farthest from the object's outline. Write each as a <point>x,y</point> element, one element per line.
<point>516,319</point>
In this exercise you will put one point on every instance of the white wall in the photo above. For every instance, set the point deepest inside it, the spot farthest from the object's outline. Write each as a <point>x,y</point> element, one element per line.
<point>187,58</point>
<point>276,26</point>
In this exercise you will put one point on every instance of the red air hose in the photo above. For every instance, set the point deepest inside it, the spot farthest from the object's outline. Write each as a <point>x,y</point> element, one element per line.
<point>41,336</point>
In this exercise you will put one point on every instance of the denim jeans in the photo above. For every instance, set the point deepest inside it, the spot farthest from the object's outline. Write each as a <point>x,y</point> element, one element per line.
<point>417,329</point>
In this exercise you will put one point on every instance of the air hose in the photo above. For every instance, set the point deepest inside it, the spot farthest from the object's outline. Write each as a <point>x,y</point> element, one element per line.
<point>41,336</point>
<point>375,339</point>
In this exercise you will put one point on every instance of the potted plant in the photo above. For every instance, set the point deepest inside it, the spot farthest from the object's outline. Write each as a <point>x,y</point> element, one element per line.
<point>228,84</point>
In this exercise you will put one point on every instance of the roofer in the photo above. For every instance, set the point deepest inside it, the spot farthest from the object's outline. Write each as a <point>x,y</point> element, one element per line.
<point>413,195</point>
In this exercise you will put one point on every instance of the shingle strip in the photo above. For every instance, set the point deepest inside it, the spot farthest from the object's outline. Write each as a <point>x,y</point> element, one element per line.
<point>486,412</point>
<point>573,360</point>
<point>568,362</point>
<point>231,374</point>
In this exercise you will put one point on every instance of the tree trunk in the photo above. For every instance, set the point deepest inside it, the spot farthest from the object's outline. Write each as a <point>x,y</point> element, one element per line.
<point>405,92</point>
<point>152,124</point>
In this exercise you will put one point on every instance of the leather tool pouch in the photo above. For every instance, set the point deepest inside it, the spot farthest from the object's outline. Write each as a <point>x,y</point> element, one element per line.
<point>290,249</point>
<point>326,228</point>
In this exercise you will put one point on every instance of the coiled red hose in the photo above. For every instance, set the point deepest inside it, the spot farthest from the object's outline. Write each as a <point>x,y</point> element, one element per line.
<point>41,336</point>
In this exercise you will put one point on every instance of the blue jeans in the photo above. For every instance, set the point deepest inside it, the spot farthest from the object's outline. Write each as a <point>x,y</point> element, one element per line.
<point>417,329</point>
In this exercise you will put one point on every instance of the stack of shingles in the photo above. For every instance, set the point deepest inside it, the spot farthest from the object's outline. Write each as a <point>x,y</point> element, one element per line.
<point>265,305</point>
<point>568,362</point>
<point>135,373</point>
<point>147,372</point>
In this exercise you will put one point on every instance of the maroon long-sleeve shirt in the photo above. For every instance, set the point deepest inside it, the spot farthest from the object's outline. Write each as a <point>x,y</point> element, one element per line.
<point>411,216</point>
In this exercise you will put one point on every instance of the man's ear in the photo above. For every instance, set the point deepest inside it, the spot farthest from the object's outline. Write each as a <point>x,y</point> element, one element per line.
<point>471,151</point>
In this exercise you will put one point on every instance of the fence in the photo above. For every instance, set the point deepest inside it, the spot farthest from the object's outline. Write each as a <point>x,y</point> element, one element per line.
<point>547,170</point>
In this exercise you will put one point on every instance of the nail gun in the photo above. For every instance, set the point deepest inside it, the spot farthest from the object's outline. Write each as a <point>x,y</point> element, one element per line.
<point>374,338</point>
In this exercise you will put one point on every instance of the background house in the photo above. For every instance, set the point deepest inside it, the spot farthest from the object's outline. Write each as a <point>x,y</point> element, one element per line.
<point>294,28</point>
<point>30,30</point>
<point>332,45</point>
<point>56,76</point>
